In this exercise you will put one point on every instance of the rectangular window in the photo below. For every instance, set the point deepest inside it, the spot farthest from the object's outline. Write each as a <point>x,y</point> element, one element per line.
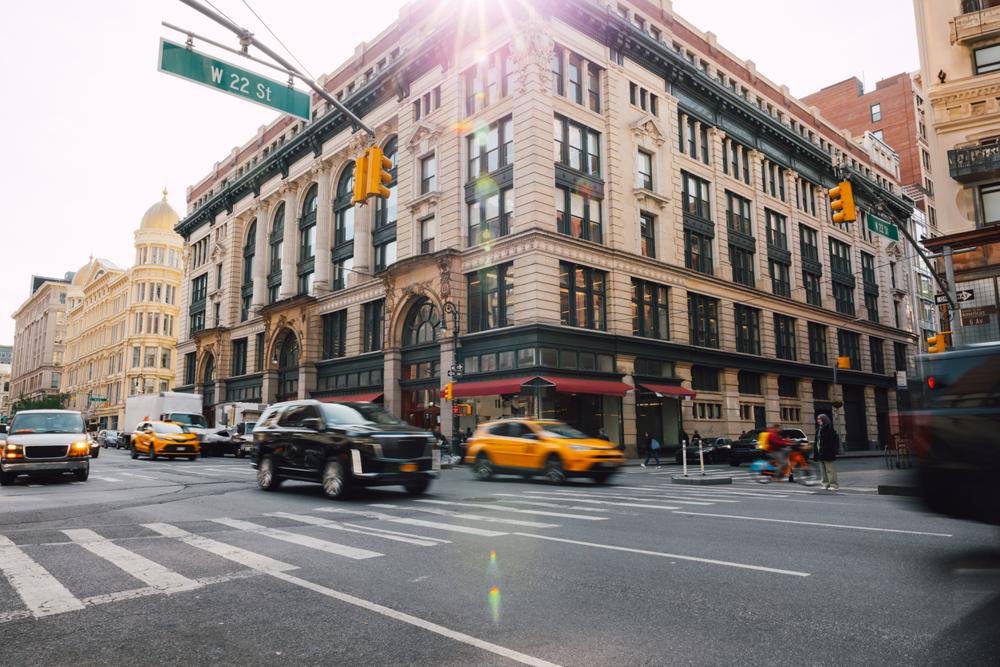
<point>817,344</point>
<point>703,320</point>
<point>489,216</point>
<point>703,140</point>
<point>878,355</point>
<point>788,387</point>
<point>334,334</point>
<point>871,306</point>
<point>650,310</point>
<point>777,229</point>
<point>490,148</point>
<point>259,352</point>
<point>190,361</point>
<point>843,298</point>
<point>742,261</point>
<point>811,283</point>
<point>868,269</point>
<point>780,282</point>
<point>594,87</point>
<point>490,292</point>
<point>644,177</point>
<point>698,252</point>
<point>574,89</point>
<point>695,196</point>
<point>704,378</point>
<point>149,359</point>
<point>840,257</point>
<point>577,146</point>
<point>136,356</point>
<point>428,174</point>
<point>749,383</point>
<point>374,318</point>
<point>784,337</point>
<point>849,345</point>
<point>239,357</point>
<point>899,352</point>
<point>557,70</point>
<point>385,255</point>
<point>582,296</point>
<point>488,81</point>
<point>428,229</point>
<point>747,329</point>
<point>199,288</point>
<point>738,214</point>
<point>809,243</point>
<point>647,234</point>
<point>578,214</point>
<point>876,111</point>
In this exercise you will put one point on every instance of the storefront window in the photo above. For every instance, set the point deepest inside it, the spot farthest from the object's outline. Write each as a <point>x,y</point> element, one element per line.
<point>526,357</point>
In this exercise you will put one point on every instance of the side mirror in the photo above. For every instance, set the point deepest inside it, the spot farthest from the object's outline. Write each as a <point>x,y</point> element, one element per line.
<point>312,423</point>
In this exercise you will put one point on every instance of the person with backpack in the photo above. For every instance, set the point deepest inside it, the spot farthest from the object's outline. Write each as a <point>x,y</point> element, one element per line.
<point>827,446</point>
<point>652,449</point>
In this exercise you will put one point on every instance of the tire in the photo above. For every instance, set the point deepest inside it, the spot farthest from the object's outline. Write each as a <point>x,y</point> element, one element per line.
<point>81,475</point>
<point>554,472</point>
<point>152,452</point>
<point>193,458</point>
<point>267,475</point>
<point>135,452</point>
<point>735,464</point>
<point>7,478</point>
<point>96,453</point>
<point>334,480</point>
<point>482,469</point>
<point>417,486</point>
<point>601,478</point>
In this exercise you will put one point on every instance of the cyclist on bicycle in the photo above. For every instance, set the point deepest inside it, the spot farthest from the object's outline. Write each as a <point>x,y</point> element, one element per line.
<point>779,448</point>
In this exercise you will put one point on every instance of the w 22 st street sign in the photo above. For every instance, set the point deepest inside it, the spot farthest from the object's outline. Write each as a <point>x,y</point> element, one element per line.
<point>880,226</point>
<point>188,64</point>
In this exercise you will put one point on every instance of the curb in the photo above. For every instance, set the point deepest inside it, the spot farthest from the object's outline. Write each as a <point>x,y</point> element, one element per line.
<point>701,480</point>
<point>897,490</point>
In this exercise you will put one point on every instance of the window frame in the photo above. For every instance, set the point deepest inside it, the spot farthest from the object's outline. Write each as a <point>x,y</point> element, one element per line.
<point>594,299</point>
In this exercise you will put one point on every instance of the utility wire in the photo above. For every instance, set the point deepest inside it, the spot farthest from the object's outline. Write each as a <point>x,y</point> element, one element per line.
<point>278,39</point>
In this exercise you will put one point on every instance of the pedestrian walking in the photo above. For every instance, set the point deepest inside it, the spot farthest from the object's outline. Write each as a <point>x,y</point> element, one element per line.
<point>696,439</point>
<point>827,446</point>
<point>652,449</point>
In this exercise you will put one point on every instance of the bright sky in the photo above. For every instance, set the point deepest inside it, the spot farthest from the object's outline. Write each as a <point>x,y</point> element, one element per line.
<point>93,132</point>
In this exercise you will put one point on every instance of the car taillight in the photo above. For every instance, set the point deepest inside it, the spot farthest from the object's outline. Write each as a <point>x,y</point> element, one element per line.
<point>931,382</point>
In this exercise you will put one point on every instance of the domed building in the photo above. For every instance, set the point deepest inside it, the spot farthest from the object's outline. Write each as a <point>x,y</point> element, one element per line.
<point>122,323</point>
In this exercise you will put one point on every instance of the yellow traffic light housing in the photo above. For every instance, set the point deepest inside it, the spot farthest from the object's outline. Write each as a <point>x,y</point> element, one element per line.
<point>378,173</point>
<point>360,180</point>
<point>843,362</point>
<point>448,392</point>
<point>842,202</point>
<point>936,344</point>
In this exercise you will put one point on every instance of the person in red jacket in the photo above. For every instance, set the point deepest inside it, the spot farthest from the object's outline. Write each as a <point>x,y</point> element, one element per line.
<point>779,448</point>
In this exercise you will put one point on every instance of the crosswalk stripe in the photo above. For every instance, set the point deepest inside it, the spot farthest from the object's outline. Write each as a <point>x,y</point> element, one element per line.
<point>41,593</point>
<point>727,492</point>
<point>301,540</point>
<point>578,508</point>
<point>249,559</point>
<point>372,529</point>
<point>333,525</point>
<point>105,479</point>
<point>470,517</point>
<point>132,474</point>
<point>609,502</point>
<point>676,499</point>
<point>503,508</point>
<point>455,528</point>
<point>150,573</point>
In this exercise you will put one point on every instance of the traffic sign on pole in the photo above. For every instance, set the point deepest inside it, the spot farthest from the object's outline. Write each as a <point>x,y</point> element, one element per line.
<point>880,226</point>
<point>180,61</point>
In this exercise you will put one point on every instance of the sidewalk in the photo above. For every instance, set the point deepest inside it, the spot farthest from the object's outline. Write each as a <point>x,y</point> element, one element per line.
<point>669,459</point>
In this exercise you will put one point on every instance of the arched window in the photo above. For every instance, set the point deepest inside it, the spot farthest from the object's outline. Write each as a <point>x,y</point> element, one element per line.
<point>246,286</point>
<point>343,226</point>
<point>288,367</point>
<point>421,324</point>
<point>274,271</point>
<point>208,377</point>
<point>307,241</point>
<point>384,234</point>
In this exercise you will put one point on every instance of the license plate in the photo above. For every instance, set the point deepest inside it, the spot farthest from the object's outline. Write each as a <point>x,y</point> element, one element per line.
<point>408,467</point>
<point>182,449</point>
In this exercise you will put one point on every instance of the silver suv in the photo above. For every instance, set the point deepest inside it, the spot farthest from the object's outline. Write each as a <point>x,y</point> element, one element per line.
<point>45,441</point>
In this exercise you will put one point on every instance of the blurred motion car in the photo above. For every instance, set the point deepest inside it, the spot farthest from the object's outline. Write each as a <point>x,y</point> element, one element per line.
<point>530,447</point>
<point>167,439</point>
<point>45,441</point>
<point>715,450</point>
<point>220,443</point>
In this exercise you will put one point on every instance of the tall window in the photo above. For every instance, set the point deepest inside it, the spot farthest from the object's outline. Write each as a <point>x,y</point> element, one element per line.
<point>647,233</point>
<point>777,229</point>
<point>239,357</point>
<point>780,282</point>
<point>817,344</point>
<point>578,214</point>
<point>849,345</point>
<point>428,174</point>
<point>843,297</point>
<point>577,146</point>
<point>421,324</point>
<point>334,334</point>
<point>840,257</point>
<point>878,354</point>
<point>650,310</point>
<point>698,251</point>
<point>374,317</point>
<point>276,240</point>
<point>742,261</point>
<point>199,290</point>
<point>747,329</point>
<point>582,296</point>
<point>307,241</point>
<point>811,283</point>
<point>488,80</point>
<point>871,305</point>
<point>259,352</point>
<point>987,59</point>
<point>190,366</point>
<point>695,196</point>
<point>644,177</point>
<point>868,269</point>
<point>490,148</point>
<point>490,292</point>
<point>246,284</point>
<point>784,337</point>
<point>738,214</point>
<point>343,229</point>
<point>489,216</point>
<point>594,87</point>
<point>732,164</point>
<point>876,111</point>
<point>428,230</point>
<point>805,196</point>
<point>703,320</point>
<point>809,243</point>
<point>384,234</point>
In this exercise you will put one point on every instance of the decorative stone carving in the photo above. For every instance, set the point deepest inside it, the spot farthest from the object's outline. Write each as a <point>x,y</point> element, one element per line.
<point>532,52</point>
<point>423,131</point>
<point>648,126</point>
<point>444,269</point>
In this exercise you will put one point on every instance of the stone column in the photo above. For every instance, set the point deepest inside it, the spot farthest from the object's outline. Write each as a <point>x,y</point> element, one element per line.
<point>682,134</point>
<point>391,370</point>
<point>324,208</point>
<point>363,214</point>
<point>259,297</point>
<point>307,378</point>
<point>629,419</point>
<point>290,244</point>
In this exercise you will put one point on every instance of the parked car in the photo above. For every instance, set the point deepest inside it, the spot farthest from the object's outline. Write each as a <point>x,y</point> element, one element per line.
<point>745,449</point>
<point>342,446</point>
<point>220,443</point>
<point>244,437</point>
<point>107,438</point>
<point>45,441</point>
<point>168,439</point>
<point>716,450</point>
<point>529,447</point>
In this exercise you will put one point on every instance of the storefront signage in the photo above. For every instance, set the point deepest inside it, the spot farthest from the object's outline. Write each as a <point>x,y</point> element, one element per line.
<point>978,316</point>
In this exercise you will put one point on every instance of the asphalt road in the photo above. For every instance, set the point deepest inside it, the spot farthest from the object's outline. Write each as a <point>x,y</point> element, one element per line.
<point>178,562</point>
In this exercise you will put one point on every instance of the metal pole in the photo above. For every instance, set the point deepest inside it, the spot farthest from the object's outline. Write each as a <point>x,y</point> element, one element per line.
<point>701,457</point>
<point>954,317</point>
<point>684,456</point>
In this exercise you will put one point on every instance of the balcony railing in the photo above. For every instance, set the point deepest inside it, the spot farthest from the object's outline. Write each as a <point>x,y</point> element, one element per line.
<point>975,163</point>
<point>980,19</point>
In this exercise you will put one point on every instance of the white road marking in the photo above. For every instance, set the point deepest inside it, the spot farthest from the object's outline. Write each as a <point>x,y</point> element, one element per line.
<point>578,508</point>
<point>819,524</point>
<point>333,525</point>
<point>608,502</point>
<point>415,522</point>
<point>105,479</point>
<point>372,529</point>
<point>572,495</point>
<point>692,491</point>
<point>301,540</point>
<point>503,508</point>
<point>41,593</point>
<point>469,517</point>
<point>246,558</point>
<point>132,474</point>
<point>152,574</point>
<point>661,554</point>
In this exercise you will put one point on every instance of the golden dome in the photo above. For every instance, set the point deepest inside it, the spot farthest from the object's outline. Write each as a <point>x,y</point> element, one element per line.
<point>160,216</point>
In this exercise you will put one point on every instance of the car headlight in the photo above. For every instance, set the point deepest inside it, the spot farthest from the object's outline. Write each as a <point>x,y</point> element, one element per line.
<point>369,446</point>
<point>79,448</point>
<point>12,451</point>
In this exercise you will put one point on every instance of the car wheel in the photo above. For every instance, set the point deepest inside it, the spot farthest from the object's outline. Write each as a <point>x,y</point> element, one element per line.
<point>267,475</point>
<point>417,486</point>
<point>554,472</point>
<point>135,452</point>
<point>334,480</point>
<point>7,478</point>
<point>734,463</point>
<point>81,475</point>
<point>94,454</point>
<point>193,458</point>
<point>602,478</point>
<point>152,452</point>
<point>482,469</point>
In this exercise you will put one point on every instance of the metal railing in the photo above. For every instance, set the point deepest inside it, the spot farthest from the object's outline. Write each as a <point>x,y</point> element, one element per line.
<point>974,162</point>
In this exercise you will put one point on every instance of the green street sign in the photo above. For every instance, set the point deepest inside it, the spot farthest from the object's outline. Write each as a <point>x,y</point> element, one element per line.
<point>98,399</point>
<point>880,226</point>
<point>178,60</point>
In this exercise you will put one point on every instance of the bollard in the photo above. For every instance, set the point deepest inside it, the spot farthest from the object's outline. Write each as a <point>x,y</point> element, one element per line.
<point>684,456</point>
<point>701,457</point>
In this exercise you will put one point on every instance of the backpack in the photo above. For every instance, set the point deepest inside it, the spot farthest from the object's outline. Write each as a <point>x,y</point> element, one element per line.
<point>762,439</point>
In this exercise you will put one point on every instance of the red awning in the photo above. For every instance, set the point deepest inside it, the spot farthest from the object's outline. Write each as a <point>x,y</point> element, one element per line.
<point>352,398</point>
<point>668,390</point>
<point>585,386</point>
<point>489,387</point>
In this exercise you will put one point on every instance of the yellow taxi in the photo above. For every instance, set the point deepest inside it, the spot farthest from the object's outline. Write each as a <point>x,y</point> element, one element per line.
<point>168,439</point>
<point>530,447</point>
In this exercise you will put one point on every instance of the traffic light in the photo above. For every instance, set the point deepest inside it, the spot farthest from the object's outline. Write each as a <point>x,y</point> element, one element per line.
<point>360,180</point>
<point>461,410</point>
<point>843,362</point>
<point>842,202</point>
<point>378,173</point>
<point>448,391</point>
<point>936,344</point>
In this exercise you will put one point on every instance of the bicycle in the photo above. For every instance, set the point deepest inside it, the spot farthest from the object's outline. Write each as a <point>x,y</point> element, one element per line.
<point>796,464</point>
<point>897,455</point>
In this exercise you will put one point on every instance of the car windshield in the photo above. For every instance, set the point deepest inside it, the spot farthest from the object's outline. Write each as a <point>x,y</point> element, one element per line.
<point>189,419</point>
<point>343,414</point>
<point>47,422</point>
<point>169,428</point>
<point>560,430</point>
<point>111,433</point>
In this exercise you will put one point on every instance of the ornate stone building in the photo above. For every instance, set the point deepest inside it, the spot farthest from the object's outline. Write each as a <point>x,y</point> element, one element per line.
<point>627,224</point>
<point>39,339</point>
<point>123,323</point>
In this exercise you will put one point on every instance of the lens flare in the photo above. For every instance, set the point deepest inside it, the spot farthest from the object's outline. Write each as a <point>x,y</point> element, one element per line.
<point>494,598</point>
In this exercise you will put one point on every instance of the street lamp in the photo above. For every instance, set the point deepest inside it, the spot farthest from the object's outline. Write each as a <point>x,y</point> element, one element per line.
<point>457,368</point>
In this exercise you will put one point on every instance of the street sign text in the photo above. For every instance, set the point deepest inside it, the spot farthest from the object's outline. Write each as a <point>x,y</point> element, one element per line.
<point>880,226</point>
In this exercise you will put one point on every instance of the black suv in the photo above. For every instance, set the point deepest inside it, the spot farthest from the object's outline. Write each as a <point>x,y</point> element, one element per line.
<point>342,446</point>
